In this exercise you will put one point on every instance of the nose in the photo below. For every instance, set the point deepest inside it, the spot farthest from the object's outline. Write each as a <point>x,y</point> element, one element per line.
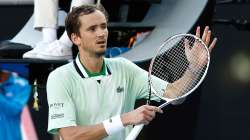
<point>101,34</point>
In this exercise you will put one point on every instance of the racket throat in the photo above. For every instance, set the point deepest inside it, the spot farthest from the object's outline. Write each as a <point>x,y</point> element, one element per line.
<point>149,95</point>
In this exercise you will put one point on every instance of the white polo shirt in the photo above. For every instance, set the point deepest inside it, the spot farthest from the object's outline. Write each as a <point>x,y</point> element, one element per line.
<point>74,98</point>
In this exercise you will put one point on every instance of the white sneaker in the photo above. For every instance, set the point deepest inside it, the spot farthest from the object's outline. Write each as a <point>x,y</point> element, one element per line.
<point>39,47</point>
<point>56,51</point>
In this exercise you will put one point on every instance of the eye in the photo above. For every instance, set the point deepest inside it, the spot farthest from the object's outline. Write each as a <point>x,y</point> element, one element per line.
<point>92,29</point>
<point>104,26</point>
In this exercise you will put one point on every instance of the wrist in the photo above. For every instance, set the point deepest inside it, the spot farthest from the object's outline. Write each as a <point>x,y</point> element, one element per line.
<point>191,70</point>
<point>125,119</point>
<point>113,125</point>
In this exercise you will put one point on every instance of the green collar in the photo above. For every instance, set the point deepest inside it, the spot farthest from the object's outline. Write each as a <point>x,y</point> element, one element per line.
<point>93,74</point>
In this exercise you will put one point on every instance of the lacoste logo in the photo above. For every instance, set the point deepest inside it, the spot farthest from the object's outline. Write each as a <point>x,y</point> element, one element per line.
<point>119,89</point>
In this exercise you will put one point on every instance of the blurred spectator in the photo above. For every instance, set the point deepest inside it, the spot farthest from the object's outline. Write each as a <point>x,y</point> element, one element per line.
<point>14,94</point>
<point>51,48</point>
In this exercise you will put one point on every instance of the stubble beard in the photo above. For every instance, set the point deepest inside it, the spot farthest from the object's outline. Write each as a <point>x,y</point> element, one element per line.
<point>100,54</point>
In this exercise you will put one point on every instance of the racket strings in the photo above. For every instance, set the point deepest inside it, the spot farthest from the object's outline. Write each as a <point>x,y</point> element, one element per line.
<point>173,61</point>
<point>182,56</point>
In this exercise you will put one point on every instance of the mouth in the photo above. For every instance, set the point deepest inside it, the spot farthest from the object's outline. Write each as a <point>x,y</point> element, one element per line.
<point>101,42</point>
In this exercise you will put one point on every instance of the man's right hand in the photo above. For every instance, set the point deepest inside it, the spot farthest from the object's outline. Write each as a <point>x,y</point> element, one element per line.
<point>141,115</point>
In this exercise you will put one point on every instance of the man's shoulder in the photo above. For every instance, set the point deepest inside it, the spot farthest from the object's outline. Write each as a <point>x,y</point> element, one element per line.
<point>117,60</point>
<point>63,70</point>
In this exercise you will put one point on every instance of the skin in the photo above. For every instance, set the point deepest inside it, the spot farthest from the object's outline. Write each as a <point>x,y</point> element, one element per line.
<point>92,44</point>
<point>177,88</point>
<point>92,40</point>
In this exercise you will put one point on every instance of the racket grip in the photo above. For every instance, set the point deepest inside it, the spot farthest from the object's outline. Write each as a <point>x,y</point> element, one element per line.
<point>135,132</point>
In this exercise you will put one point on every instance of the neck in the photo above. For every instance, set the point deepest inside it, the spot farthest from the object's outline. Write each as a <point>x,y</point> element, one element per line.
<point>91,63</point>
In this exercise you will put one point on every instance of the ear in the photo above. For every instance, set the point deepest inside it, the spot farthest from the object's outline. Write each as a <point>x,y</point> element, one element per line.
<point>75,39</point>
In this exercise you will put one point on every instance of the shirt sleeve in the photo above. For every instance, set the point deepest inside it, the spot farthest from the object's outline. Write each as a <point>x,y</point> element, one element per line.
<point>61,107</point>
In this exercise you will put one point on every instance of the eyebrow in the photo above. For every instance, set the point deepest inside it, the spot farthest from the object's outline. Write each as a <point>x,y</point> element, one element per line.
<point>104,23</point>
<point>94,26</point>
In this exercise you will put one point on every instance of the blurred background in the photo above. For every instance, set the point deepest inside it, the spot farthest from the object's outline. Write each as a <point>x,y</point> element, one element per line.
<point>218,110</point>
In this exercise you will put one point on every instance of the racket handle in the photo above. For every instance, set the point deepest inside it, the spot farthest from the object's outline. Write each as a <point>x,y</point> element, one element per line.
<point>135,132</point>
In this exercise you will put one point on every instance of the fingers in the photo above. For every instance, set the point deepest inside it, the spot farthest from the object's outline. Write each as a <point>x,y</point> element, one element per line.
<point>206,37</point>
<point>148,116</point>
<point>206,34</point>
<point>186,46</point>
<point>143,114</point>
<point>212,45</point>
<point>186,43</point>
<point>207,40</point>
<point>153,108</point>
<point>198,31</point>
<point>149,113</point>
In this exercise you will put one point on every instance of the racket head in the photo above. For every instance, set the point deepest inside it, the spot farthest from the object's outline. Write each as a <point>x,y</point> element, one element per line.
<point>172,61</point>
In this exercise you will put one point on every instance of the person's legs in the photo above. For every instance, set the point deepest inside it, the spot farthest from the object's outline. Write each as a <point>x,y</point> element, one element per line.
<point>61,48</point>
<point>64,38</point>
<point>45,20</point>
<point>45,14</point>
<point>49,34</point>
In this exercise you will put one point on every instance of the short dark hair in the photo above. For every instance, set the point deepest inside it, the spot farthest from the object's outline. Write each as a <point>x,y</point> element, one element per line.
<point>72,22</point>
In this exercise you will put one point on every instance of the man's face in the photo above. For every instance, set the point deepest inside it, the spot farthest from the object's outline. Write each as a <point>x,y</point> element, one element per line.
<point>93,34</point>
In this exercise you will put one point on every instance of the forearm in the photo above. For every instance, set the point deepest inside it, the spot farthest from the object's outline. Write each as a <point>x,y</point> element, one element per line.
<point>181,86</point>
<point>99,131</point>
<point>142,115</point>
<point>91,132</point>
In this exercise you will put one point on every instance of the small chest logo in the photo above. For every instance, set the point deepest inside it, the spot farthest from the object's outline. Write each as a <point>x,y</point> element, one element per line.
<point>119,89</point>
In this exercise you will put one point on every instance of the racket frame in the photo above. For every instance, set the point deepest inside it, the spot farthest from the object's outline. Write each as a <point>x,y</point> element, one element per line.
<point>137,129</point>
<point>168,101</point>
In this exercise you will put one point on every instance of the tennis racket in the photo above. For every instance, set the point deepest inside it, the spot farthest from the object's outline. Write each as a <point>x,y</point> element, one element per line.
<point>182,62</point>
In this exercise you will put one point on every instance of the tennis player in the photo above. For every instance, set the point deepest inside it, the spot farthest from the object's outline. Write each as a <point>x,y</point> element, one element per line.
<point>93,97</point>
